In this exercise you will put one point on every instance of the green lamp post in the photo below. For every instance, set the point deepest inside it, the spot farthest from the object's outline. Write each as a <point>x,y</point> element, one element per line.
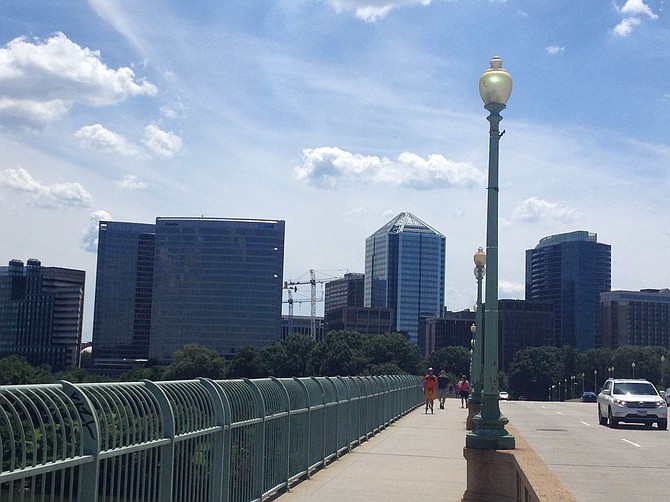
<point>495,88</point>
<point>475,399</point>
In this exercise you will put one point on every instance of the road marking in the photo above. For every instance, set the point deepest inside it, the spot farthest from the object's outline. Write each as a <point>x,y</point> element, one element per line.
<point>587,424</point>
<point>559,412</point>
<point>630,442</point>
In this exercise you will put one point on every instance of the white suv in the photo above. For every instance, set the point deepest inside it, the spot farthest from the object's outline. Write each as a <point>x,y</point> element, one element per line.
<point>634,401</point>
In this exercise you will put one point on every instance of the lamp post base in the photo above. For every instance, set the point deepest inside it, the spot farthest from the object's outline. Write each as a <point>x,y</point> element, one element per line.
<point>473,409</point>
<point>490,435</point>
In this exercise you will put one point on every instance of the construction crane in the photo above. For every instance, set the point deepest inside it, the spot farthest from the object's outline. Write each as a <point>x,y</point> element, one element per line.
<point>292,287</point>
<point>288,285</point>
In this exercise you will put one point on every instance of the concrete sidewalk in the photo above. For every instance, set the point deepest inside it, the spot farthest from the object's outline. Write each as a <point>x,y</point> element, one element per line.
<point>419,457</point>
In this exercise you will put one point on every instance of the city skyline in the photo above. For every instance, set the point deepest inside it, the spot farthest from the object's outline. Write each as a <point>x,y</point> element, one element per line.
<point>334,116</point>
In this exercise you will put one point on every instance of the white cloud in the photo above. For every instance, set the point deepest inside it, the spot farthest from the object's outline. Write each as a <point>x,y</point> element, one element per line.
<point>60,194</point>
<point>96,137</point>
<point>162,143</point>
<point>637,7</point>
<point>624,28</point>
<point>41,80</point>
<point>31,113</point>
<point>554,49</point>
<point>535,209</point>
<point>371,10</point>
<point>511,289</point>
<point>131,182</point>
<point>89,238</point>
<point>324,166</point>
<point>632,10</point>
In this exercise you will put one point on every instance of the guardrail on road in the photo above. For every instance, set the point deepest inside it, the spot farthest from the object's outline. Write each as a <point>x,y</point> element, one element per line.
<point>191,441</point>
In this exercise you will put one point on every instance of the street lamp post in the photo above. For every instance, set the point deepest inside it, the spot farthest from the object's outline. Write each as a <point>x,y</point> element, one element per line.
<point>582,382</point>
<point>495,88</point>
<point>559,390</point>
<point>632,365</point>
<point>595,381</point>
<point>663,371</point>
<point>573,390</point>
<point>475,399</point>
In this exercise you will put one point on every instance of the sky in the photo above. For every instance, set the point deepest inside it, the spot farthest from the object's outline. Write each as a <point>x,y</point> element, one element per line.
<point>335,116</point>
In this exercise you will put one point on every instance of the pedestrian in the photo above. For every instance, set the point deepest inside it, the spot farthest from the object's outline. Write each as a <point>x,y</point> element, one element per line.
<point>429,386</point>
<point>442,387</point>
<point>451,389</point>
<point>463,390</point>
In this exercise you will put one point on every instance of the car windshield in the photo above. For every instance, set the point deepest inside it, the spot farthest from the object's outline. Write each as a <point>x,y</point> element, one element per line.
<point>635,388</point>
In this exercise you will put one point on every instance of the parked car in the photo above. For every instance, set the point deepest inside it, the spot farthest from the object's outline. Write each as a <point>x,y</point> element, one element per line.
<point>632,401</point>
<point>667,396</point>
<point>504,396</point>
<point>589,397</point>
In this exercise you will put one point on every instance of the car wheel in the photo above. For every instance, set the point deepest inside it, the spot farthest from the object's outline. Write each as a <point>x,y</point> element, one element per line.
<point>663,424</point>
<point>601,420</point>
<point>613,422</point>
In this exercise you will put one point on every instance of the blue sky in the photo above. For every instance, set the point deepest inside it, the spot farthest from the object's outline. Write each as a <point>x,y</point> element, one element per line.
<point>336,115</point>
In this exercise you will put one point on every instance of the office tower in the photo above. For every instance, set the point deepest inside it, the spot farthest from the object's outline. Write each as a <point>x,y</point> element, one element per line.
<point>571,270</point>
<point>41,313</point>
<point>523,324</point>
<point>211,281</point>
<point>217,282</point>
<point>123,293</point>
<point>636,318</point>
<point>404,270</point>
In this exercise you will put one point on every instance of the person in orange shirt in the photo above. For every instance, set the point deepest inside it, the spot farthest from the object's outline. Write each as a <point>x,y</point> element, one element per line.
<point>429,387</point>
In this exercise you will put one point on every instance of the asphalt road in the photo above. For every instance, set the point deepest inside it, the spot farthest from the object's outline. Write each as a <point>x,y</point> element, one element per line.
<point>596,463</point>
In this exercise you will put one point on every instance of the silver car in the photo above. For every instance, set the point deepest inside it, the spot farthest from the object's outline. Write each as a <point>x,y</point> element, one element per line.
<point>632,401</point>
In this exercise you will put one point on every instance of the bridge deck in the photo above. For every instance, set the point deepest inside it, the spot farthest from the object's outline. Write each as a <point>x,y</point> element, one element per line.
<point>418,458</point>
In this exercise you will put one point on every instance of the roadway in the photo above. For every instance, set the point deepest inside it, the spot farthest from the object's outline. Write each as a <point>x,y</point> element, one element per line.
<point>593,461</point>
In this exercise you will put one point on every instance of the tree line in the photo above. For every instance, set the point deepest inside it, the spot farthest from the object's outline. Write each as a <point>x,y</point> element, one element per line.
<point>538,373</point>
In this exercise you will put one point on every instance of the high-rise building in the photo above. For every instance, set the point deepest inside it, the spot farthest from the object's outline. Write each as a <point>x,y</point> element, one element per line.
<point>123,294</point>
<point>212,281</point>
<point>41,313</point>
<point>636,318</point>
<point>571,270</point>
<point>404,270</point>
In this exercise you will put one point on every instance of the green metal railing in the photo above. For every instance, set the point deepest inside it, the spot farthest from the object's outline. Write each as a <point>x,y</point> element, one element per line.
<point>186,441</point>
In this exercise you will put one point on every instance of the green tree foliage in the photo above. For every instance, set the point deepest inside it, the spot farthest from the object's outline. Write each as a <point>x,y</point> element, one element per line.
<point>294,359</point>
<point>15,370</point>
<point>152,372</point>
<point>534,370</point>
<point>455,360</point>
<point>248,363</point>
<point>195,361</point>
<point>340,353</point>
<point>394,349</point>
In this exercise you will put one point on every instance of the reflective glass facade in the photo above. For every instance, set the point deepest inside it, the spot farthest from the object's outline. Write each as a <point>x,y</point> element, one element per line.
<point>123,290</point>
<point>218,283</point>
<point>404,270</point>
<point>41,313</point>
<point>571,270</point>
<point>211,281</point>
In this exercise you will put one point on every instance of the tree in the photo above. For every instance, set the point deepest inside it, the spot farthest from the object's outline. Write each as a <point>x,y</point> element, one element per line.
<point>195,361</point>
<point>15,370</point>
<point>248,363</point>
<point>297,350</point>
<point>396,350</point>
<point>534,370</point>
<point>455,360</point>
<point>340,353</point>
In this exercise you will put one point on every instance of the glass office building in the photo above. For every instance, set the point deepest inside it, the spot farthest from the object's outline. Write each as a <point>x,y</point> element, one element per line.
<point>215,282</point>
<point>404,270</point>
<point>41,313</point>
<point>123,291</point>
<point>571,270</point>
